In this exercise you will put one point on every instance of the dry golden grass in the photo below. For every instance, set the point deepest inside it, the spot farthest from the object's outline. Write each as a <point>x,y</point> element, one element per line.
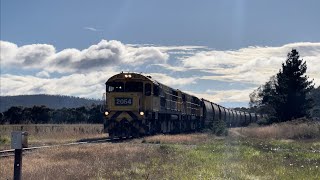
<point>287,130</point>
<point>228,158</point>
<point>92,161</point>
<point>195,138</point>
<point>47,129</point>
<point>46,134</point>
<point>209,158</point>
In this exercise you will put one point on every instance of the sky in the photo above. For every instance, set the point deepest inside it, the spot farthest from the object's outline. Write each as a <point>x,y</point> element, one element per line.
<point>216,49</point>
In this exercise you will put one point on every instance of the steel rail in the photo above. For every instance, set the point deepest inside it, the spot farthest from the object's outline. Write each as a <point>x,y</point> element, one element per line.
<point>10,152</point>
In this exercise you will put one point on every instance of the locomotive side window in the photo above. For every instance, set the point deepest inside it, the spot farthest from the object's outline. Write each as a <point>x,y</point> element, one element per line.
<point>156,90</point>
<point>115,87</point>
<point>147,89</point>
<point>195,101</point>
<point>134,87</point>
<point>163,102</point>
<point>183,97</point>
<point>174,95</point>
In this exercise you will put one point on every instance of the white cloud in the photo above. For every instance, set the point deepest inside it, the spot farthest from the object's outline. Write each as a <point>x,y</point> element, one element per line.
<point>232,95</point>
<point>43,74</point>
<point>174,49</point>
<point>92,29</point>
<point>31,56</point>
<point>170,67</point>
<point>84,85</point>
<point>7,52</point>
<point>253,64</point>
<point>96,57</point>
<point>173,81</point>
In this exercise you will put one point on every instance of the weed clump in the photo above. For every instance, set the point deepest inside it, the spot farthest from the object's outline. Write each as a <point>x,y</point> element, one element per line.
<point>219,128</point>
<point>166,149</point>
<point>3,140</point>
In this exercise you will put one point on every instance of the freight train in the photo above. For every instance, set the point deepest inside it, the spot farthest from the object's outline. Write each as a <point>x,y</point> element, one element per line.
<point>137,104</point>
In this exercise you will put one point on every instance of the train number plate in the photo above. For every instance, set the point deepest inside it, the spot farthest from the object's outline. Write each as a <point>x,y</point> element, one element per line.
<point>123,101</point>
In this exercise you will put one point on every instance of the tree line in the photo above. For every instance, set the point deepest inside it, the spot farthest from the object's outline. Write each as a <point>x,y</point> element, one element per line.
<point>51,101</point>
<point>43,114</point>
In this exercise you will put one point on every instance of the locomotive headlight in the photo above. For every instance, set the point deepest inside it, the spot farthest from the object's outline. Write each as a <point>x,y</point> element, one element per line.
<point>126,76</point>
<point>129,75</point>
<point>141,113</point>
<point>106,113</point>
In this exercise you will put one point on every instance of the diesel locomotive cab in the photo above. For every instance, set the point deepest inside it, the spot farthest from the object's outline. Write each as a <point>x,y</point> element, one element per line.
<point>127,96</point>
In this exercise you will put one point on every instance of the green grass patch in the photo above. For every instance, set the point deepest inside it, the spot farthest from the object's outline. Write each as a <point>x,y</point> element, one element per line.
<point>233,159</point>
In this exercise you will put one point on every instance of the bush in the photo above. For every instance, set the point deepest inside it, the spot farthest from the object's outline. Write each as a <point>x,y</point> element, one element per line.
<point>315,112</point>
<point>3,140</point>
<point>266,121</point>
<point>219,128</point>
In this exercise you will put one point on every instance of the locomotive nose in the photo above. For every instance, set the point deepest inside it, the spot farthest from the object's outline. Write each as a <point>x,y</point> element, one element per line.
<point>124,102</point>
<point>124,105</point>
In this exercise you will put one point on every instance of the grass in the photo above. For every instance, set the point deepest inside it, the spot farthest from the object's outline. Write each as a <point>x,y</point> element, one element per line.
<point>287,130</point>
<point>228,158</point>
<point>196,138</point>
<point>183,156</point>
<point>3,140</point>
<point>78,162</point>
<point>46,134</point>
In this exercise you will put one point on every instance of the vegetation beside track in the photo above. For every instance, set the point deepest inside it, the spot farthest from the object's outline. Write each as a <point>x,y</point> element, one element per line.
<point>183,156</point>
<point>296,129</point>
<point>48,134</point>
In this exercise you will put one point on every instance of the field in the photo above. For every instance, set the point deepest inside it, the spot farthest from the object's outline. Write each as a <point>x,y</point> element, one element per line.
<point>240,155</point>
<point>48,134</point>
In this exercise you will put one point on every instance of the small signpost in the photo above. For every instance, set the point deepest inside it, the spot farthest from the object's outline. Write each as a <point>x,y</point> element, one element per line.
<point>19,140</point>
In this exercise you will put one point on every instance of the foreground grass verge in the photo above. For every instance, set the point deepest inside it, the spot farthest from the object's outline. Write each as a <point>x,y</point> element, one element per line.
<point>247,153</point>
<point>214,158</point>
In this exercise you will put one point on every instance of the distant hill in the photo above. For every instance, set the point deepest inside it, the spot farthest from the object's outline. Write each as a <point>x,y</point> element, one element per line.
<point>51,101</point>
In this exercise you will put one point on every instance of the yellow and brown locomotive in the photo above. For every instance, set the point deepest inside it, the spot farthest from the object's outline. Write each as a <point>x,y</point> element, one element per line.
<point>139,105</point>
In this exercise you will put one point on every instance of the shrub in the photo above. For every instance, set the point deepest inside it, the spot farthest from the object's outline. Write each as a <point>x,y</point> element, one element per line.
<point>265,121</point>
<point>219,128</point>
<point>3,140</point>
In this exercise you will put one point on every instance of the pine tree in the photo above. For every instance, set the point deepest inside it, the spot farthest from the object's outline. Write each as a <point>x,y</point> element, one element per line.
<point>286,96</point>
<point>292,88</point>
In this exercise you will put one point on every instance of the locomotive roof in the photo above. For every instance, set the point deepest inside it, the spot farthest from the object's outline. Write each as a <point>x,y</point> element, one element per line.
<point>135,75</point>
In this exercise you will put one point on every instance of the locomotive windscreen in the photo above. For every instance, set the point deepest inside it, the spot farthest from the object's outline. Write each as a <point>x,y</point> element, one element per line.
<point>134,87</point>
<point>125,87</point>
<point>115,87</point>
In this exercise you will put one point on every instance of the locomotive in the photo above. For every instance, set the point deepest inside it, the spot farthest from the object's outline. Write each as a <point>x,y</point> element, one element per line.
<point>137,104</point>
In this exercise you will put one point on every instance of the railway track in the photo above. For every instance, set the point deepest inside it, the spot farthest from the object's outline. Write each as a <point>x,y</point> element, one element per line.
<point>10,152</point>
